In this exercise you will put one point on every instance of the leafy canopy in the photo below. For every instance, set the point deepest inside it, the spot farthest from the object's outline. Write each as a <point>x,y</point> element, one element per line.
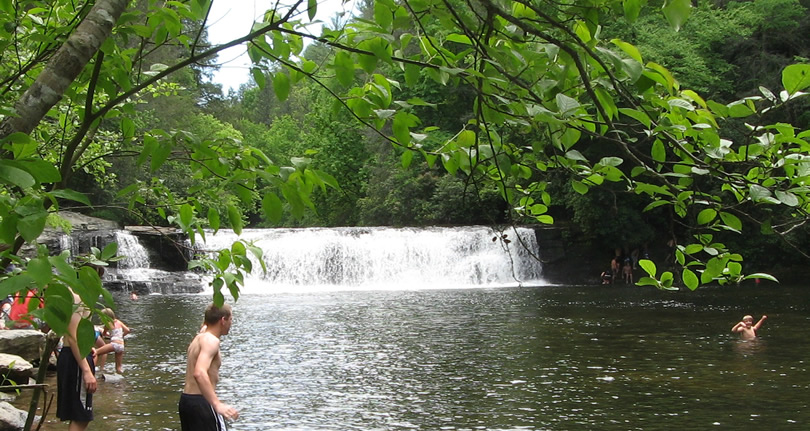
<point>547,89</point>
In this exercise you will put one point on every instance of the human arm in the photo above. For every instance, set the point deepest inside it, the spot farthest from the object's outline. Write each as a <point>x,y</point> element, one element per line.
<point>209,349</point>
<point>761,321</point>
<point>125,328</point>
<point>738,327</point>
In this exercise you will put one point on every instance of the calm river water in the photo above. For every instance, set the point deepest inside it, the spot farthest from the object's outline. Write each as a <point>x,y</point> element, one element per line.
<point>543,358</point>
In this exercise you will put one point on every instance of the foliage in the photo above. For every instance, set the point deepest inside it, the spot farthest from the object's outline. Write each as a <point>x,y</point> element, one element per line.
<point>544,88</point>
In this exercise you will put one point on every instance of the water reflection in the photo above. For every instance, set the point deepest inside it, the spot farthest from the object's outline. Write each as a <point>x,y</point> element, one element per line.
<point>560,358</point>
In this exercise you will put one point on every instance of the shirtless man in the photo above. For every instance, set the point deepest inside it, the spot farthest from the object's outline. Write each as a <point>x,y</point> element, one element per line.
<point>200,408</point>
<point>746,328</point>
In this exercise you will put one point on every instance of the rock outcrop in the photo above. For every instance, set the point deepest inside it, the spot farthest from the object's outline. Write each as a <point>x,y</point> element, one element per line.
<point>25,343</point>
<point>14,369</point>
<point>11,418</point>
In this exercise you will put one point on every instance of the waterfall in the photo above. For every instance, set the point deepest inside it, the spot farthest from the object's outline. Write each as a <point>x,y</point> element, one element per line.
<point>375,258</point>
<point>135,255</point>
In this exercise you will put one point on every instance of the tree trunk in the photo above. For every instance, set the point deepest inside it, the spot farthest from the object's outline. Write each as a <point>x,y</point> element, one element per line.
<point>64,67</point>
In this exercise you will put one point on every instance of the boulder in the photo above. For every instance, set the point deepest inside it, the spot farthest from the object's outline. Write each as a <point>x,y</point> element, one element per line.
<point>11,418</point>
<point>25,343</point>
<point>15,368</point>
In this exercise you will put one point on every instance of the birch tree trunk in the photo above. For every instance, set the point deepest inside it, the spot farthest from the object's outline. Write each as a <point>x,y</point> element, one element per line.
<point>64,67</point>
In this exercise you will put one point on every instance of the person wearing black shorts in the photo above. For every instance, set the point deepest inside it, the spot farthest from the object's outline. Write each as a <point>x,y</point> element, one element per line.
<point>200,408</point>
<point>196,414</point>
<point>74,402</point>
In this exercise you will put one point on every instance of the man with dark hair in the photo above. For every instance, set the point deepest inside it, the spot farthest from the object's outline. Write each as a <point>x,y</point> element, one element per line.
<point>200,408</point>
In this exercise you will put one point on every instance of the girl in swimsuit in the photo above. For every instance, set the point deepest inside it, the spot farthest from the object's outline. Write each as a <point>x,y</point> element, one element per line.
<point>116,330</point>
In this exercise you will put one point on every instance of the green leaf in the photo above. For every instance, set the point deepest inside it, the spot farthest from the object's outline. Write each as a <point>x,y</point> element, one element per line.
<point>213,219</point>
<point>127,128</point>
<point>110,250</point>
<point>658,152</point>
<point>15,283</point>
<point>63,268</point>
<point>344,68</point>
<point>796,77</point>
<point>648,266</point>
<point>367,62</point>
<point>639,116</point>
<point>258,77</point>
<point>739,109</point>
<point>281,85</point>
<point>312,9</point>
<point>91,285</point>
<point>15,176</point>
<point>159,155</point>
<point>86,335</point>
<point>647,281</point>
<point>149,146</point>
<point>632,8</point>
<point>72,195</point>
<point>676,12</point>
<point>761,275</point>
<point>690,279</point>
<point>412,72</point>
<point>42,171</point>
<point>7,6</point>
<point>31,226</point>
<point>21,144</point>
<point>235,218</point>
<point>58,307</point>
<point>458,38</point>
<point>787,198</point>
<point>186,214</point>
<point>271,206</point>
<point>566,105</point>
<point>382,15</point>
<point>759,193</point>
<point>406,158</point>
<point>401,125</point>
<point>706,216</point>
<point>40,270</point>
<point>579,187</point>
<point>731,221</point>
<point>693,248</point>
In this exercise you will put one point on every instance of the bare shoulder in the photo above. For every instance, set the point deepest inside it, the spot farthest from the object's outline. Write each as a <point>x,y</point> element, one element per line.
<point>207,341</point>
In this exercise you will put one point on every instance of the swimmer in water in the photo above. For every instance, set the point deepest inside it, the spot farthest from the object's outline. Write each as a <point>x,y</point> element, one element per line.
<point>747,329</point>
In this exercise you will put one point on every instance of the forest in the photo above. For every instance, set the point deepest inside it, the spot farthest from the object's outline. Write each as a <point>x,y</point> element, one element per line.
<point>626,122</point>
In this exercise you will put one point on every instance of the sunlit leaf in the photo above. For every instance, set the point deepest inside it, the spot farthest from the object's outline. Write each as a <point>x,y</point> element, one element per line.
<point>648,266</point>
<point>690,279</point>
<point>796,77</point>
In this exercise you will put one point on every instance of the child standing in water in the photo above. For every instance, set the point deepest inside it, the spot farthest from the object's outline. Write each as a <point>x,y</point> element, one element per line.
<point>746,328</point>
<point>116,329</point>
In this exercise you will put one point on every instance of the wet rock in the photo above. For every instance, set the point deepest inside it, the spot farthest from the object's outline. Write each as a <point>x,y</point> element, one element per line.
<point>11,418</point>
<point>15,369</point>
<point>25,343</point>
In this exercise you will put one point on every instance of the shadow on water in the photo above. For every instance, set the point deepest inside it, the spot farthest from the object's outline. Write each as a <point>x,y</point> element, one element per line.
<point>550,358</point>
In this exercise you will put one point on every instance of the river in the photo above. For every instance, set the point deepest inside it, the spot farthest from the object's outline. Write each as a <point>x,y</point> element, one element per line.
<point>511,358</point>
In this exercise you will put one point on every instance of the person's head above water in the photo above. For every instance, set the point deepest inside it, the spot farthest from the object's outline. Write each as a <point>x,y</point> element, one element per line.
<point>213,313</point>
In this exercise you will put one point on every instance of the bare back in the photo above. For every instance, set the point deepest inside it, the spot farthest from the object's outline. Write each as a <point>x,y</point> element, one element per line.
<point>203,360</point>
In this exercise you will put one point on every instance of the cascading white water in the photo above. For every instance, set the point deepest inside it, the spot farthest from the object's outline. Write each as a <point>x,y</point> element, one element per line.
<point>379,258</point>
<point>135,255</point>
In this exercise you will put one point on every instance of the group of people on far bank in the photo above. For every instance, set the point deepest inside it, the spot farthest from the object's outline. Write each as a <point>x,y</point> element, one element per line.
<point>623,266</point>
